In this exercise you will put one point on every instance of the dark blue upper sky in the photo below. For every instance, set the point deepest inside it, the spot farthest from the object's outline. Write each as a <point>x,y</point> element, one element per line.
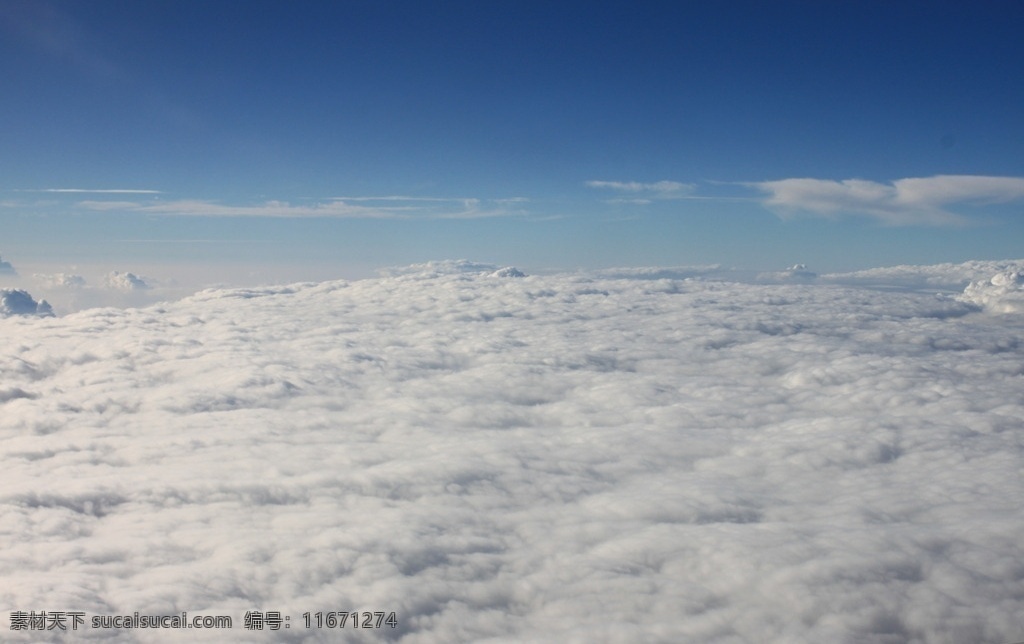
<point>551,133</point>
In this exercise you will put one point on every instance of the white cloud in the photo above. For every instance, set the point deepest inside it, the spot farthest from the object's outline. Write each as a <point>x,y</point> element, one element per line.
<point>19,302</point>
<point>662,272</point>
<point>635,186</point>
<point>1002,293</point>
<point>6,268</point>
<point>640,456</point>
<point>125,282</point>
<point>795,274</point>
<point>61,280</point>
<point>646,192</point>
<point>195,207</point>
<point>508,271</point>
<point>362,208</point>
<point>110,205</point>
<point>450,267</point>
<point>930,278</point>
<point>70,292</point>
<point>904,202</point>
<point>128,191</point>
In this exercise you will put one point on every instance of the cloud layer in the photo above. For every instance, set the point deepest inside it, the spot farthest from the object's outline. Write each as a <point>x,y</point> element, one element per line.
<point>641,456</point>
<point>904,202</point>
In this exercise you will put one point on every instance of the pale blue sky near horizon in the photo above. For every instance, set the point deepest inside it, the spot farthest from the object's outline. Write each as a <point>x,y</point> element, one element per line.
<point>361,134</point>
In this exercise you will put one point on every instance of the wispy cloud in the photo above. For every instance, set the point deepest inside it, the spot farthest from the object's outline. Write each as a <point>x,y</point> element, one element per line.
<point>123,191</point>
<point>904,202</point>
<point>441,207</point>
<point>644,193</point>
<point>391,207</point>
<point>194,241</point>
<point>200,208</point>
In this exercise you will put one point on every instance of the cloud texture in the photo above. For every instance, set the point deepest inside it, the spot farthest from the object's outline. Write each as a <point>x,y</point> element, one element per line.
<point>627,458</point>
<point>19,302</point>
<point>339,208</point>
<point>69,292</point>
<point>904,202</point>
<point>642,193</point>
<point>127,282</point>
<point>1002,293</point>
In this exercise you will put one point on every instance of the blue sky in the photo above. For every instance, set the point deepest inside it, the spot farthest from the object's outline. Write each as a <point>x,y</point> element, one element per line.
<point>321,139</point>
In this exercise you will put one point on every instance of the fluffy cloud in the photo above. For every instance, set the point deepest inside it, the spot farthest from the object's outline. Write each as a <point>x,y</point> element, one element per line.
<point>1002,293</point>
<point>61,280</point>
<point>19,302</point>
<point>70,292</point>
<point>905,202</point>
<point>635,457</point>
<point>6,268</point>
<point>126,282</point>
<point>508,271</point>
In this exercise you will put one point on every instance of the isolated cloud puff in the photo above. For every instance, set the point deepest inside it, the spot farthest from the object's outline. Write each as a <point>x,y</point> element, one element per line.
<point>19,302</point>
<point>6,268</point>
<point>71,292</point>
<point>61,280</point>
<point>125,282</point>
<point>904,202</point>
<point>796,273</point>
<point>508,271</point>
